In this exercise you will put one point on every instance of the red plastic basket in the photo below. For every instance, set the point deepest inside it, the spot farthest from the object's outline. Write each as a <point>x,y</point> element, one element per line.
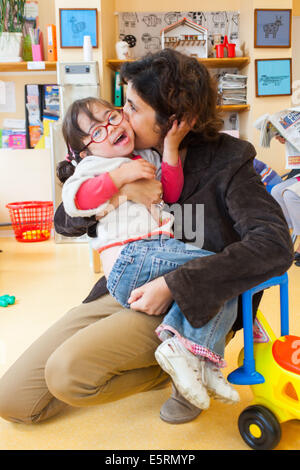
<point>31,220</point>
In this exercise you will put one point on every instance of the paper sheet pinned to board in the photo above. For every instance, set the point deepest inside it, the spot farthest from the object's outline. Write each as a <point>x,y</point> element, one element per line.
<point>7,97</point>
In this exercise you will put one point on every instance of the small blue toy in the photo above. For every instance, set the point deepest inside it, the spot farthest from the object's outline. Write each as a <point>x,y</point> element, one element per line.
<point>6,300</point>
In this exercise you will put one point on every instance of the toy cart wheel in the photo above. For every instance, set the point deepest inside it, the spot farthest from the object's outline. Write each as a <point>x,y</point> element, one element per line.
<point>259,428</point>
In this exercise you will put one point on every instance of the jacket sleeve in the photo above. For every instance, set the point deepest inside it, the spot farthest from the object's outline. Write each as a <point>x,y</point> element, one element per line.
<point>263,251</point>
<point>73,226</point>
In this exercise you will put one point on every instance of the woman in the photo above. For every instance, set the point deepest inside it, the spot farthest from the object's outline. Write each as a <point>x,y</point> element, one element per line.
<point>75,361</point>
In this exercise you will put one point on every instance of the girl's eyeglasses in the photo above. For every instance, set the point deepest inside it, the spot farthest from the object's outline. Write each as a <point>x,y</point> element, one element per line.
<point>100,133</point>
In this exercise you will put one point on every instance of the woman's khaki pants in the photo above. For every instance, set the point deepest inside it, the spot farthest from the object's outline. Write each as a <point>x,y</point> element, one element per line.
<point>97,352</point>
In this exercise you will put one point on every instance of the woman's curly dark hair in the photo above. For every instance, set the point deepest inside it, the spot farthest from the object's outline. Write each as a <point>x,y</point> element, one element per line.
<point>175,84</point>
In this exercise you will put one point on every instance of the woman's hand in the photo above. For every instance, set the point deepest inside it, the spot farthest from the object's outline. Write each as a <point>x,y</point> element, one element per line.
<point>152,298</point>
<point>146,192</point>
<point>132,171</point>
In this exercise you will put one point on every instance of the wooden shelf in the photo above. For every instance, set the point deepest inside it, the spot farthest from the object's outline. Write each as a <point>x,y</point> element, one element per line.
<point>226,62</point>
<point>115,64</point>
<point>23,67</point>
<point>238,108</point>
<point>229,108</point>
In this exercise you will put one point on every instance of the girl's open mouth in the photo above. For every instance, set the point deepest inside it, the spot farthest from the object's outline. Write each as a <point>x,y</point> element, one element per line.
<point>122,139</point>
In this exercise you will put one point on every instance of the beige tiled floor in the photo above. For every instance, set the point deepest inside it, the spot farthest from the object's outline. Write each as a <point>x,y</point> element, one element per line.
<point>48,279</point>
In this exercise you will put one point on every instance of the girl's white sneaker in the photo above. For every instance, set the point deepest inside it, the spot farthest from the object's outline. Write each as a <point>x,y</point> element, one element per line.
<point>217,386</point>
<point>186,370</point>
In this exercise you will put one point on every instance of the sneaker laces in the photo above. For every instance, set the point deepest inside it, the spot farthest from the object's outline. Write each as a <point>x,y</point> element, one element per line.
<point>218,373</point>
<point>201,371</point>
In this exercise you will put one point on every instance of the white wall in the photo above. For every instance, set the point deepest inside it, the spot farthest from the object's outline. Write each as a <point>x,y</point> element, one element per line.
<point>25,176</point>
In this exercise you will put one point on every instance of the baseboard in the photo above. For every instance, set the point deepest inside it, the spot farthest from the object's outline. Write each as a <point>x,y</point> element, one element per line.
<point>6,231</point>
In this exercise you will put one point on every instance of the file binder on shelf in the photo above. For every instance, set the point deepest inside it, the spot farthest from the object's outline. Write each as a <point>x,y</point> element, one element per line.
<point>51,43</point>
<point>118,98</point>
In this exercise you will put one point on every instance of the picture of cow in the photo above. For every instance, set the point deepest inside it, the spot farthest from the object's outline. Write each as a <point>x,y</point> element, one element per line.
<point>272,28</point>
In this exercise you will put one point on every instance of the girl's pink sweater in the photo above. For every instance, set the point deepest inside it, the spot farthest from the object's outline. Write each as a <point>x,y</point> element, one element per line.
<point>95,191</point>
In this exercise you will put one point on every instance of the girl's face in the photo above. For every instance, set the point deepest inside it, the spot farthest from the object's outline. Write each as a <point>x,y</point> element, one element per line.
<point>142,119</point>
<point>119,141</point>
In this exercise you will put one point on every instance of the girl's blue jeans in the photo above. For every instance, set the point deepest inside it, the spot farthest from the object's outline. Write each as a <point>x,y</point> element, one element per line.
<point>141,261</point>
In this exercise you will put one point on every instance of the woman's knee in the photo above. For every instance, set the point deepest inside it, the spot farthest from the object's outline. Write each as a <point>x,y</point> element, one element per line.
<point>12,405</point>
<point>60,372</point>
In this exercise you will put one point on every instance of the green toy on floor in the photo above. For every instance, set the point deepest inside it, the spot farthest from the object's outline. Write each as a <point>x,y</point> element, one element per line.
<point>6,300</point>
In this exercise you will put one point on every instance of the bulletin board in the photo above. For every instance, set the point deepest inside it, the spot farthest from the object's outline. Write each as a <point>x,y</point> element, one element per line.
<point>142,29</point>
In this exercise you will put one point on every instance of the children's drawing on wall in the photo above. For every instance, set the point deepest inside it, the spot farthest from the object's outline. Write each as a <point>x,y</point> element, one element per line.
<point>151,42</point>
<point>77,27</point>
<point>272,28</point>
<point>146,31</point>
<point>129,19</point>
<point>275,80</point>
<point>75,24</point>
<point>151,20</point>
<point>198,17</point>
<point>273,77</point>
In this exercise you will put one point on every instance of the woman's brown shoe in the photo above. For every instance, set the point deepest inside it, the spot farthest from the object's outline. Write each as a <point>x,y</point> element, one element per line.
<point>177,409</point>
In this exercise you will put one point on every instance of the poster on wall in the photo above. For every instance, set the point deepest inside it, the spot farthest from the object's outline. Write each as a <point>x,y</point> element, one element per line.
<point>141,30</point>
<point>75,23</point>
<point>273,77</point>
<point>272,28</point>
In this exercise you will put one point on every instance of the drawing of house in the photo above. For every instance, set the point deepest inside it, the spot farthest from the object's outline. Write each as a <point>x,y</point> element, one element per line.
<point>187,37</point>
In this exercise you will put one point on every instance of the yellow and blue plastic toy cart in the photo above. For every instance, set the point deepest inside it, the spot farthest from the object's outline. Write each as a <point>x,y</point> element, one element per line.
<point>271,366</point>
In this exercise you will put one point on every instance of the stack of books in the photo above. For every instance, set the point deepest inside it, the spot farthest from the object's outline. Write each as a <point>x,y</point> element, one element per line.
<point>233,88</point>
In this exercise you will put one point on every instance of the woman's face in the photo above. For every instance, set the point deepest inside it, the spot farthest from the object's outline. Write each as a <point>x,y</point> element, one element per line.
<point>142,119</point>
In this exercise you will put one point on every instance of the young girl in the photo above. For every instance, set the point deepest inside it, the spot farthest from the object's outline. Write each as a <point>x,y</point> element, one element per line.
<point>135,244</point>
